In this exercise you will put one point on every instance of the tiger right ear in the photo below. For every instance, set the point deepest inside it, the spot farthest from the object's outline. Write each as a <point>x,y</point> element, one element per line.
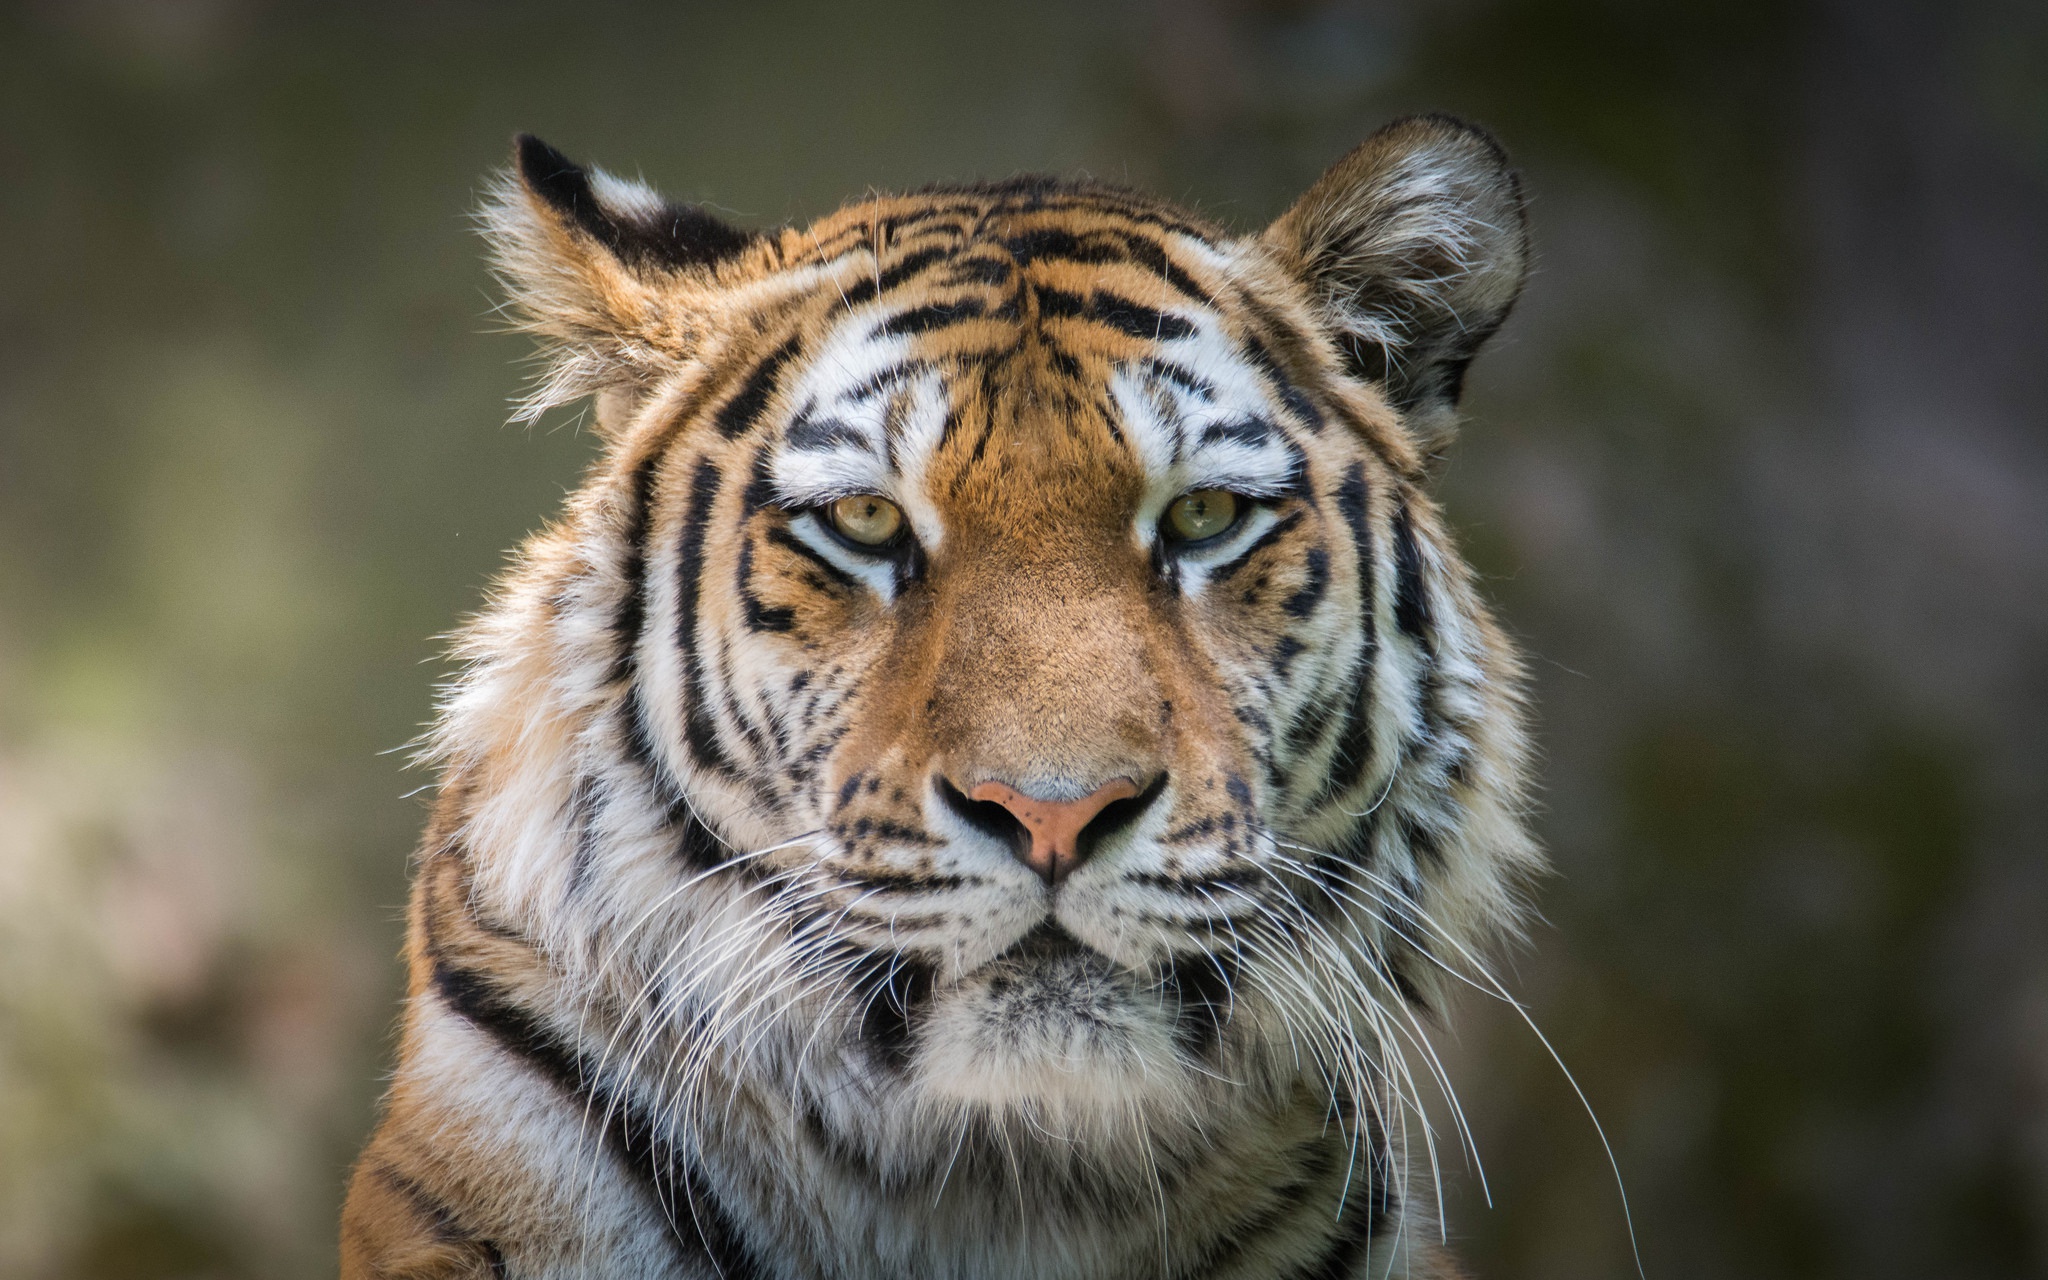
<point>599,268</point>
<point>1414,247</point>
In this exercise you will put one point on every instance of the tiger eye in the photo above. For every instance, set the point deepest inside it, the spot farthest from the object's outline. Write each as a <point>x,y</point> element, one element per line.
<point>1201,514</point>
<point>866,518</point>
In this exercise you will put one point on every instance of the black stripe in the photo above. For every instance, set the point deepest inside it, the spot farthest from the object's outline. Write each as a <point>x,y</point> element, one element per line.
<point>697,845</point>
<point>1391,960</point>
<point>698,731</point>
<point>441,1220</point>
<point>810,434</point>
<point>759,617</point>
<point>1422,843</point>
<point>1036,192</point>
<point>1056,244</point>
<point>640,751</point>
<point>1354,738</point>
<point>679,1187</point>
<point>1285,650</point>
<point>898,989</point>
<point>1303,602</point>
<point>895,421</point>
<point>632,612</point>
<point>1246,431</point>
<point>1281,528</point>
<point>1397,974</point>
<point>1060,304</point>
<point>1411,607</point>
<point>1284,1201</point>
<point>1346,1252</point>
<point>1297,483</point>
<point>760,490</point>
<point>930,317</point>
<point>1292,396</point>
<point>479,1001</point>
<point>738,414</point>
<point>909,564</point>
<point>979,270</point>
<point>911,265</point>
<point>887,380</point>
<point>1309,727</point>
<point>1139,320</point>
<point>445,1227</point>
<point>582,821</point>
<point>1125,316</point>
<point>1201,986</point>
<point>903,881</point>
<point>872,286</point>
<point>988,430</point>
<point>736,713</point>
<point>1154,257</point>
<point>699,848</point>
<point>1053,244</point>
<point>782,537</point>
<point>1187,379</point>
<point>1063,362</point>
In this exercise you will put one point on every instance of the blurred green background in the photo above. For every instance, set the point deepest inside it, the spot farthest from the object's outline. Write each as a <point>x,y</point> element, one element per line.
<point>1759,472</point>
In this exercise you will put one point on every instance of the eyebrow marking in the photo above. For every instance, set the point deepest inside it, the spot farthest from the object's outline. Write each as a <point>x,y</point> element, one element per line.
<point>1253,431</point>
<point>1186,379</point>
<point>812,434</point>
<point>930,317</point>
<point>1292,396</point>
<point>1125,316</point>
<point>751,400</point>
<point>888,379</point>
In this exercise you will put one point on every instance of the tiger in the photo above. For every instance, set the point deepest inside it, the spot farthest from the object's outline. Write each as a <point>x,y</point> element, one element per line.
<point>999,767</point>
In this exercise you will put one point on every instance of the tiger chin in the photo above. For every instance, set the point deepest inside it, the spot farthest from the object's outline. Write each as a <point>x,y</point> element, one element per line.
<point>1000,765</point>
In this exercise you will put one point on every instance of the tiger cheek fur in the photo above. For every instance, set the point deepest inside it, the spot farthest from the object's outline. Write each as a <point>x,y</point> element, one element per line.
<point>1010,881</point>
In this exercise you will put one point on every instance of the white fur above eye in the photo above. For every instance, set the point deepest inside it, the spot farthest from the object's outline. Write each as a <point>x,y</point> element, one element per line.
<point>865,419</point>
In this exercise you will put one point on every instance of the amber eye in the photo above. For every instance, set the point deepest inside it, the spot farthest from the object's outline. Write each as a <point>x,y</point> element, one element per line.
<point>866,518</point>
<point>1201,514</point>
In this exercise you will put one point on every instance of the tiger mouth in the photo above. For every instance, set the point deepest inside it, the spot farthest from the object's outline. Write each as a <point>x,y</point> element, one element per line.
<point>1049,992</point>
<point>1049,942</point>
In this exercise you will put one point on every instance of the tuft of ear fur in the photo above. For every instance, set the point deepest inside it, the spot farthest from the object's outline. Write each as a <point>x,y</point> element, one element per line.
<point>1414,246</point>
<point>599,269</point>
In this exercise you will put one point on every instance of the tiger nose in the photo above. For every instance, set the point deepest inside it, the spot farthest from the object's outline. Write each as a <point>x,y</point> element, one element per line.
<point>1055,826</point>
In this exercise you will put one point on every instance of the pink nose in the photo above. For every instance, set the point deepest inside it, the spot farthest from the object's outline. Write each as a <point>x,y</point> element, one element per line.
<point>1054,825</point>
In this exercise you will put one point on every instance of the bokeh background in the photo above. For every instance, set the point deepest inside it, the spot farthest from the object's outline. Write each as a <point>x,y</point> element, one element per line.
<point>1759,472</point>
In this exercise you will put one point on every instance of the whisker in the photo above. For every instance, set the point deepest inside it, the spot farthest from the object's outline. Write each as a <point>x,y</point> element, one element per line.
<point>1492,986</point>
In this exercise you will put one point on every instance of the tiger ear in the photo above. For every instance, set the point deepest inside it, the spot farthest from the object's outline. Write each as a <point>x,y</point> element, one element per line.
<point>600,270</point>
<point>1414,247</point>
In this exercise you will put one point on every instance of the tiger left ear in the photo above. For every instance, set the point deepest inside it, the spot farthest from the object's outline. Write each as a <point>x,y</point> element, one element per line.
<point>604,272</point>
<point>1414,248</point>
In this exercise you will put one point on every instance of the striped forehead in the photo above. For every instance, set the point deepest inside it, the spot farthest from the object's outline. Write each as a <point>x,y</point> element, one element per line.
<point>1192,403</point>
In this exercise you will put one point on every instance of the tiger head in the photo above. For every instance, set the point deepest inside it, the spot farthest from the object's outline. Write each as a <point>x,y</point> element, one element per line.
<point>1006,660</point>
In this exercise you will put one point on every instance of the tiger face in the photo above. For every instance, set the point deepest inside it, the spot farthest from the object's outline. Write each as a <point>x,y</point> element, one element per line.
<point>1005,668</point>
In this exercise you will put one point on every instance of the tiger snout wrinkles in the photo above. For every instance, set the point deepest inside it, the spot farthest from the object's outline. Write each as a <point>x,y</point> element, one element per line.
<point>997,769</point>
